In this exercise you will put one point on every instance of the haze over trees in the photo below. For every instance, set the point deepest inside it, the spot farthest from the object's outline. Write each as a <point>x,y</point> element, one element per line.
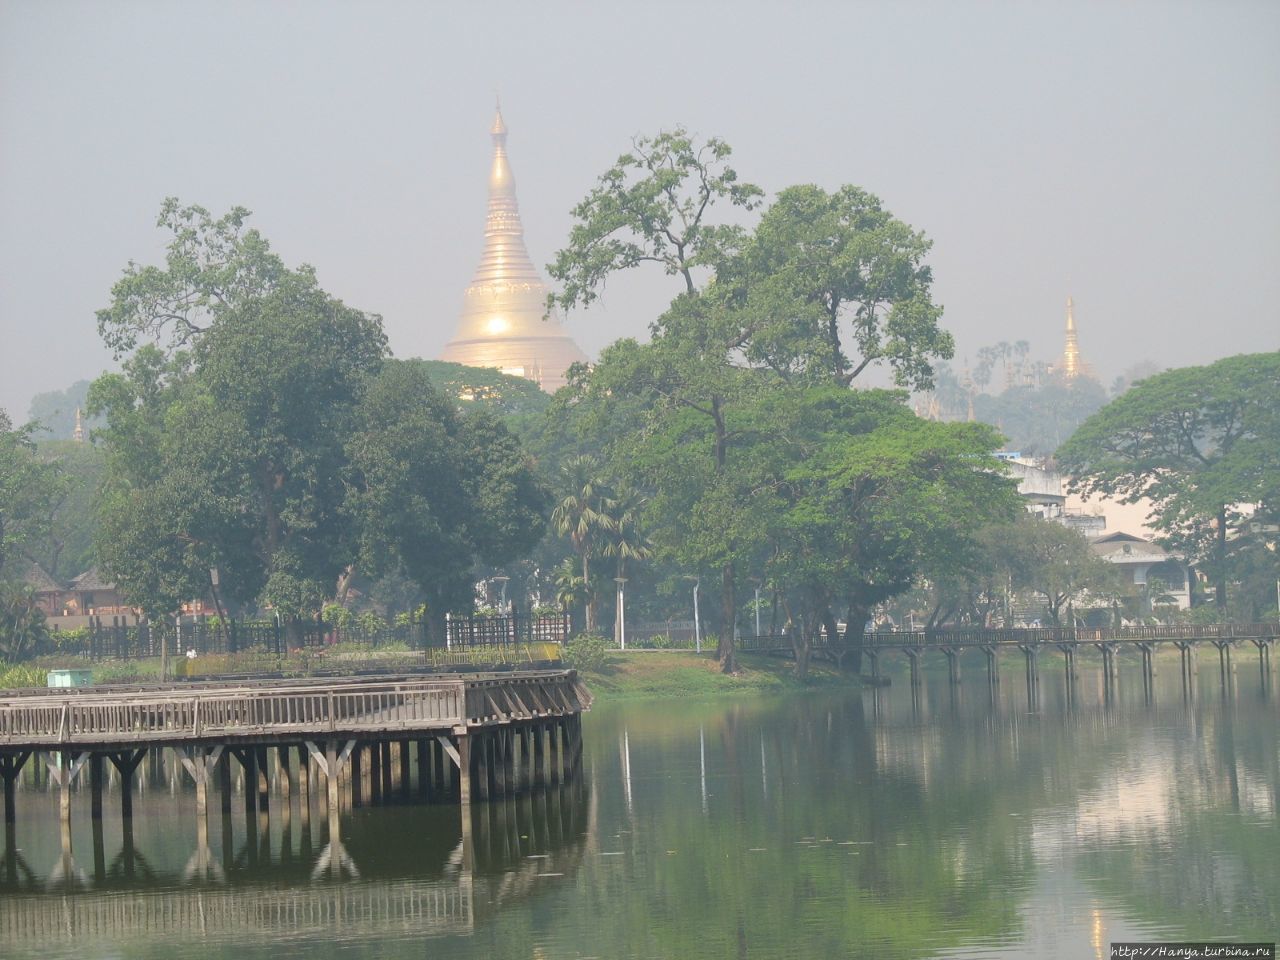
<point>258,427</point>
<point>736,420</point>
<point>1203,444</point>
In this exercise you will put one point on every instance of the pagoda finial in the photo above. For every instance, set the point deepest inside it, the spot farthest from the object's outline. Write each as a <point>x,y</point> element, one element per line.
<point>78,434</point>
<point>499,128</point>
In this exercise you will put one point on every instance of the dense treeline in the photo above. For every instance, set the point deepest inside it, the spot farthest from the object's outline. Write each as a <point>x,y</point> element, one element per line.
<point>258,433</point>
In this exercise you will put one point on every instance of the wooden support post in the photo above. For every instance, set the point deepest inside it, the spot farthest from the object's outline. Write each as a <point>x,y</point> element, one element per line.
<point>464,769</point>
<point>441,780</point>
<point>64,766</point>
<point>357,776</point>
<point>953,663</point>
<point>993,665</point>
<point>385,747</point>
<point>11,765</point>
<point>304,774</point>
<point>406,779</point>
<point>286,772</point>
<point>224,783</point>
<point>331,781</point>
<point>95,786</point>
<point>913,656</point>
<point>1032,654</point>
<point>126,762</point>
<point>553,751</point>
<point>508,762</point>
<point>484,763</point>
<point>248,758</point>
<point>424,770</point>
<point>539,734</point>
<point>264,780</point>
<point>375,773</point>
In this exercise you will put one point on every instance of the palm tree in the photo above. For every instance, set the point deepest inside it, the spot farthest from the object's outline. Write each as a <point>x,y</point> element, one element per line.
<point>624,540</point>
<point>582,514</point>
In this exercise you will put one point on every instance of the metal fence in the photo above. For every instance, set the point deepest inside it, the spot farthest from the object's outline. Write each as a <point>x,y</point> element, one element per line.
<point>118,638</point>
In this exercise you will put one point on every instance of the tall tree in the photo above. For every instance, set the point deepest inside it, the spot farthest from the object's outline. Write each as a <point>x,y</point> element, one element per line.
<point>830,284</point>
<point>654,205</point>
<point>29,488</point>
<point>581,513</point>
<point>1200,443</point>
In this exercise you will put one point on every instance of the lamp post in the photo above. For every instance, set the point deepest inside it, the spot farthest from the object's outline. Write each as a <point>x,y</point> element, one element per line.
<point>620,621</point>
<point>214,580</point>
<point>697,620</point>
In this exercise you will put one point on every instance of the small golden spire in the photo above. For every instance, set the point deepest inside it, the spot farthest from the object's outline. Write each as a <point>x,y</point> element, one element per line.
<point>78,434</point>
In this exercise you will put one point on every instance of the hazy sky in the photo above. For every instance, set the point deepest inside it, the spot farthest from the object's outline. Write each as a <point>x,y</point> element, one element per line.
<point>1125,153</point>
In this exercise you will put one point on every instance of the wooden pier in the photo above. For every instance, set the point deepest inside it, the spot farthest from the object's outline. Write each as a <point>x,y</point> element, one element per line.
<point>1031,642</point>
<point>476,736</point>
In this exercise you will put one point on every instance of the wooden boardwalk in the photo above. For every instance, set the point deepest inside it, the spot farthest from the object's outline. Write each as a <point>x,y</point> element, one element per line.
<point>480,725</point>
<point>951,643</point>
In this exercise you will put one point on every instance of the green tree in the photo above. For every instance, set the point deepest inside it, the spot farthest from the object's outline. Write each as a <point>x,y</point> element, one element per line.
<point>211,267</point>
<point>436,491</point>
<point>581,513</point>
<point>29,487</point>
<point>830,284</point>
<point>1055,564</point>
<point>652,206</point>
<point>54,412</point>
<point>1200,443</point>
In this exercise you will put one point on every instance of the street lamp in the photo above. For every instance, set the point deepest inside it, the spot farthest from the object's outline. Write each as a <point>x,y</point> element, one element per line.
<point>697,621</point>
<point>620,622</point>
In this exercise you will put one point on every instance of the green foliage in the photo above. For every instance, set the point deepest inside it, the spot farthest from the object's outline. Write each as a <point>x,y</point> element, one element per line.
<point>29,489</point>
<point>22,624</point>
<point>282,447</point>
<point>21,675</point>
<point>652,205</point>
<point>486,388</point>
<point>1201,443</point>
<point>587,652</point>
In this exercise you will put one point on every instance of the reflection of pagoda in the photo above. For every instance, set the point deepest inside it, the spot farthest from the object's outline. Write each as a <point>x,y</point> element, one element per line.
<point>502,321</point>
<point>1071,365</point>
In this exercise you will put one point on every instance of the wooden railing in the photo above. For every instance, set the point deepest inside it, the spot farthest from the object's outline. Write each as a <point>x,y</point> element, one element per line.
<point>186,713</point>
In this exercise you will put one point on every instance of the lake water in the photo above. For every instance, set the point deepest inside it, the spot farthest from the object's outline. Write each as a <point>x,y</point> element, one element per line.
<point>858,824</point>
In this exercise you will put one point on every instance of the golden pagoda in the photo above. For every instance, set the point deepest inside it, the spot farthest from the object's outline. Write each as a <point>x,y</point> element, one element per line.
<point>1071,365</point>
<point>502,321</point>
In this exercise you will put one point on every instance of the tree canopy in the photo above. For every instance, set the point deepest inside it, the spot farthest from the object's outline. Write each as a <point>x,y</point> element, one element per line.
<point>1201,444</point>
<point>274,440</point>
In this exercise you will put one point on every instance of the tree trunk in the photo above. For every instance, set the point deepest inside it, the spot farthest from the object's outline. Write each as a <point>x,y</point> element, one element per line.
<point>590,605</point>
<point>725,649</point>
<point>855,621</point>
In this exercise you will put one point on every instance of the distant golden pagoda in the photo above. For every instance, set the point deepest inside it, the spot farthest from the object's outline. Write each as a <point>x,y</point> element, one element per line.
<point>1071,365</point>
<point>502,321</point>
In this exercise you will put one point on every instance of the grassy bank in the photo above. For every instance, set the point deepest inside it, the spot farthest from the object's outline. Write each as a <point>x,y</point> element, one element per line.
<point>645,675</point>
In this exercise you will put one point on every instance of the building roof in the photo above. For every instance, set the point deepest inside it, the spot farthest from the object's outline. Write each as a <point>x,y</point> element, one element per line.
<point>1121,547</point>
<point>37,577</point>
<point>90,580</point>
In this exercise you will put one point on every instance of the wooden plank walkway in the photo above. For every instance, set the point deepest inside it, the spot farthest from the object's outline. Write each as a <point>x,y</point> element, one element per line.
<point>532,715</point>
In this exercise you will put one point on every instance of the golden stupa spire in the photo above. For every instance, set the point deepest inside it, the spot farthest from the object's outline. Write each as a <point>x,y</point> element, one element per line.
<point>502,321</point>
<point>1072,366</point>
<point>78,434</point>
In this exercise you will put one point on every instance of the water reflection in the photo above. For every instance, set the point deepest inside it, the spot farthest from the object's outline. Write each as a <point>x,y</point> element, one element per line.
<point>979,819</point>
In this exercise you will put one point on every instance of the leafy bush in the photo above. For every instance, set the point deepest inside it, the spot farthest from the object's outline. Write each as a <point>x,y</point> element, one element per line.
<point>588,651</point>
<point>21,676</point>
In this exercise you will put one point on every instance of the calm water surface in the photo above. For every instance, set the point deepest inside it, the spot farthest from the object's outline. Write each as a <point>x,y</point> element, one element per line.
<point>860,824</point>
